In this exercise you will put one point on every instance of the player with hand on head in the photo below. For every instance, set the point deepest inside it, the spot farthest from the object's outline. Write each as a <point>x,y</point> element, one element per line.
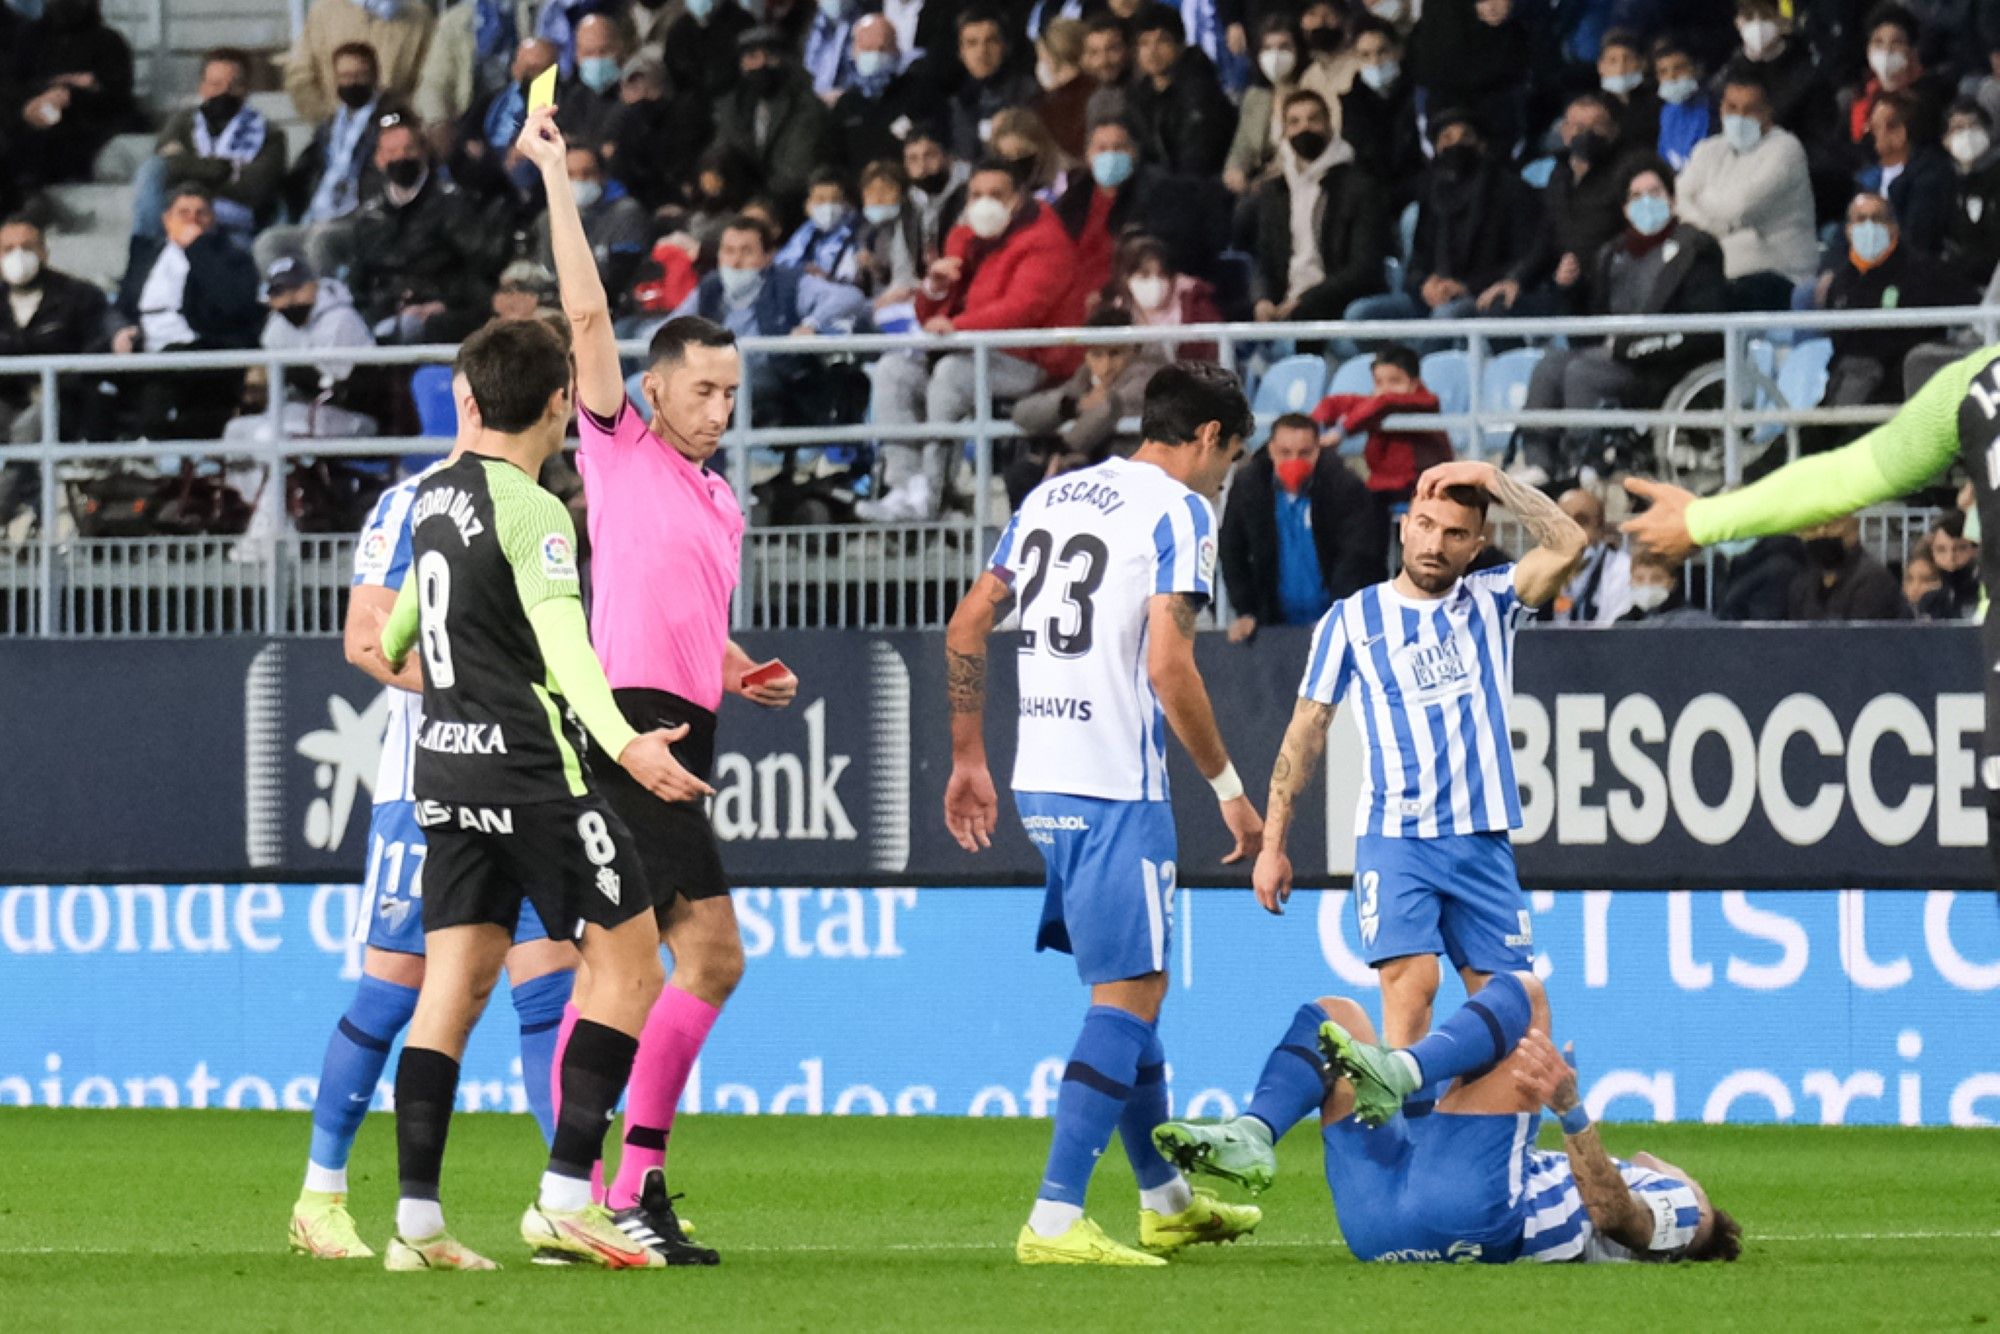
<point>1464,1183</point>
<point>391,917</point>
<point>666,536</point>
<point>1108,568</point>
<point>1955,417</point>
<point>507,804</point>
<point>1429,656</point>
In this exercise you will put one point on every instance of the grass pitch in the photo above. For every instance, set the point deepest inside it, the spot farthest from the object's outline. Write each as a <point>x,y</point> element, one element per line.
<point>157,1220</point>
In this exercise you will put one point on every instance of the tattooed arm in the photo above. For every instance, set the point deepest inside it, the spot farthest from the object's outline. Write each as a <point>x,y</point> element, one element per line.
<point>1540,574</point>
<point>1184,699</point>
<point>1298,760</point>
<point>971,805</point>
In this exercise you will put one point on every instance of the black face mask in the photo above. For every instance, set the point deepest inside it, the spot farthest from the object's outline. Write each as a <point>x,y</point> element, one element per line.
<point>932,183</point>
<point>1309,144</point>
<point>219,110</point>
<point>296,316</point>
<point>1459,161</point>
<point>1591,148</point>
<point>764,81</point>
<point>404,172</point>
<point>355,96</point>
<point>1324,40</point>
<point>1826,552</point>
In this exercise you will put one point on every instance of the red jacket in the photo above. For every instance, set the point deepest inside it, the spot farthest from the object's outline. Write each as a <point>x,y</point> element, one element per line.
<point>1024,279</point>
<point>1395,458</point>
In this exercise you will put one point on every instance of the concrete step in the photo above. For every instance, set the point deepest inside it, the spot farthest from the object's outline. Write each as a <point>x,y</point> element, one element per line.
<point>99,205</point>
<point>96,256</point>
<point>120,159</point>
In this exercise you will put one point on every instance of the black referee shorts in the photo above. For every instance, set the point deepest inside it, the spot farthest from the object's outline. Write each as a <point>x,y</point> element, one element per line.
<point>572,858</point>
<point>675,840</point>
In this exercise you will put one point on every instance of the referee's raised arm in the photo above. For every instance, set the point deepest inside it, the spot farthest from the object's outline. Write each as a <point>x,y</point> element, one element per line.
<point>600,386</point>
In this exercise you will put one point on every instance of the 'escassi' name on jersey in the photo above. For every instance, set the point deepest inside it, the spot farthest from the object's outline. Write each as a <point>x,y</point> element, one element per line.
<point>455,505</point>
<point>1105,499</point>
<point>463,738</point>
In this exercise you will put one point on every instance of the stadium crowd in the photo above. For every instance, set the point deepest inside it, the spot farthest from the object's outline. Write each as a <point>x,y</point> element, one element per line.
<point>799,169</point>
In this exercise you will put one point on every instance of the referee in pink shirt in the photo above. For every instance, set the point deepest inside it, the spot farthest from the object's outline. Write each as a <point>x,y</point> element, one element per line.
<point>666,540</point>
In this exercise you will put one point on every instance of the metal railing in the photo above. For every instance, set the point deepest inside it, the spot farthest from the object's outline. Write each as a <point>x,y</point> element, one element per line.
<point>902,575</point>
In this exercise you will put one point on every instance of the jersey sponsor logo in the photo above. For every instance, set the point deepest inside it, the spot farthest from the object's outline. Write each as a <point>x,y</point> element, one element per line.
<point>451,503</point>
<point>477,819</point>
<point>1062,824</point>
<point>1055,706</point>
<point>373,558</point>
<point>1099,496</point>
<point>1438,667</point>
<point>445,738</point>
<point>558,558</point>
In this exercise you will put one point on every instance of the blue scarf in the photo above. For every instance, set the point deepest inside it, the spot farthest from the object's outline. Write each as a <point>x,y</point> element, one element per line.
<point>493,28</point>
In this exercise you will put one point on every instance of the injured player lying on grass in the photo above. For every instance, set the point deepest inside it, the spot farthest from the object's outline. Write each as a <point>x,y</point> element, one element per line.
<point>1463,1183</point>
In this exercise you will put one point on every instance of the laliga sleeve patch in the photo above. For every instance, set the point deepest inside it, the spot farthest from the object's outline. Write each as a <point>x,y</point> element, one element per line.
<point>558,558</point>
<point>371,560</point>
<point>1205,560</point>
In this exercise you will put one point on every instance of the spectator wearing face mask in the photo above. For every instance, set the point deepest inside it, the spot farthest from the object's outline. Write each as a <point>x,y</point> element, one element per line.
<point>1842,582</point>
<point>882,101</point>
<point>1800,96</point>
<point>221,144</point>
<point>1894,67</point>
<point>1395,459</point>
<point>1008,265</point>
<point>1378,114</point>
<point>1583,208</point>
<point>1476,219</point>
<point>1299,532</point>
<point>1972,236</point>
<point>1687,111</point>
<point>753,295</point>
<point>1116,194</point>
<point>613,223</point>
<point>1621,76</point>
<point>323,188</point>
<point>772,115</point>
<point>1878,272</point>
<point>397,31</point>
<point>937,184</point>
<point>1920,580</point>
<point>1657,265</point>
<point>1600,591</point>
<point>69,79</point>
<point>470,54</point>
<point>1914,175</point>
<point>1260,120</point>
<point>702,46</point>
<point>1328,65</point>
<point>1749,188</point>
<point>1319,229</point>
<point>1150,288</point>
<point>827,243</point>
<point>1076,424</point>
<point>43,313</point>
<point>655,137</point>
<point>1659,595</point>
<point>1954,559</point>
<point>889,248</point>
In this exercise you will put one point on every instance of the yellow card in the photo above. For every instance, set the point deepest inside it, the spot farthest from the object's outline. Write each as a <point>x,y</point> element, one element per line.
<point>542,92</point>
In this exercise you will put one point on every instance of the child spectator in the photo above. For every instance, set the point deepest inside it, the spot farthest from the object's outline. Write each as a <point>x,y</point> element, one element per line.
<point>1395,458</point>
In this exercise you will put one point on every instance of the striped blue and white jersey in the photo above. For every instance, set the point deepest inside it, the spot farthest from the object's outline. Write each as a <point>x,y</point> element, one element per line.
<point>1432,680</point>
<point>1556,1227</point>
<point>381,560</point>
<point>1085,554</point>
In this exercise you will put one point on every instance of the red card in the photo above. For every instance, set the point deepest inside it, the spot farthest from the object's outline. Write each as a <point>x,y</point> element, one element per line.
<point>774,670</point>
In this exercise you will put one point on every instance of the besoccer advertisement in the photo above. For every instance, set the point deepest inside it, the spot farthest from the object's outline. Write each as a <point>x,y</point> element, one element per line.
<point>213,874</point>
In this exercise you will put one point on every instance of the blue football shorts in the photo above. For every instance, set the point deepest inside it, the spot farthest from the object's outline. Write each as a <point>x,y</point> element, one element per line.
<point>1110,895</point>
<point>1441,1188</point>
<point>1457,895</point>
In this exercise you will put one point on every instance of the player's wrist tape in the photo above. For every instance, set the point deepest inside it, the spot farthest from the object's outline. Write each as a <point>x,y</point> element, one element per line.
<point>1228,787</point>
<point>1575,1121</point>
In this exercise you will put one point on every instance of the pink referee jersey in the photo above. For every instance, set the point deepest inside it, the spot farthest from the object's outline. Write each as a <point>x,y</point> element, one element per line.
<point>666,550</point>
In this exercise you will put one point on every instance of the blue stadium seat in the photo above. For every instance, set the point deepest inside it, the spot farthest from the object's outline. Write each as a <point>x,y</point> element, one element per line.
<point>1802,379</point>
<point>1503,388</point>
<point>1295,384</point>
<point>1449,375</point>
<point>1537,173</point>
<point>1356,375</point>
<point>437,413</point>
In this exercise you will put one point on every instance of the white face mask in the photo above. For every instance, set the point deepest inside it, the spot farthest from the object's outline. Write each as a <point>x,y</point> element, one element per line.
<point>1741,133</point>
<point>1968,145</point>
<point>1389,11</point>
<point>1150,293</point>
<point>1619,85</point>
<point>1677,91</point>
<point>868,64</point>
<point>1887,64</point>
<point>1650,597</point>
<point>739,284</point>
<point>1381,77</point>
<point>881,213</point>
<point>1277,62</point>
<point>20,266</point>
<point>826,216</point>
<point>987,217</point>
<point>586,192</point>
<point>1759,36</point>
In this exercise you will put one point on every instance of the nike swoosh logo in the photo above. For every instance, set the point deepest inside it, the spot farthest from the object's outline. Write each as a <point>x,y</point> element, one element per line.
<point>358,1097</point>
